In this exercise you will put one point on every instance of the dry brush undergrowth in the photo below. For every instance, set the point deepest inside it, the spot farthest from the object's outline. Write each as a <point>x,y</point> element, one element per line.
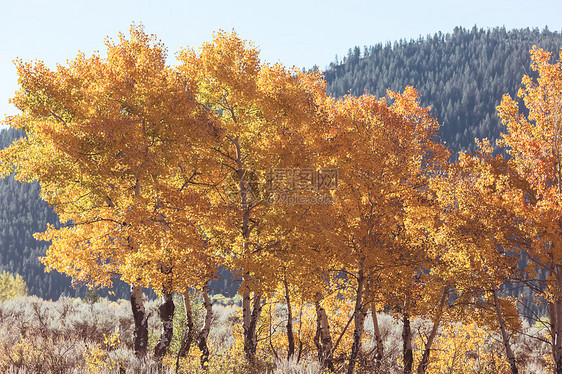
<point>75,336</point>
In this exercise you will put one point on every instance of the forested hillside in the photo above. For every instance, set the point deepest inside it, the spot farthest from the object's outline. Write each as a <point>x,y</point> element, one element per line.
<point>462,75</point>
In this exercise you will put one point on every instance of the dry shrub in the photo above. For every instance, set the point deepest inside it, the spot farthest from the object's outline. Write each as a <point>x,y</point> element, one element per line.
<point>70,336</point>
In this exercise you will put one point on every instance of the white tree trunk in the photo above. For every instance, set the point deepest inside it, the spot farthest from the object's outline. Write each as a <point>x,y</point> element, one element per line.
<point>378,338</point>
<point>204,334</point>
<point>290,335</point>
<point>187,338</point>
<point>326,353</point>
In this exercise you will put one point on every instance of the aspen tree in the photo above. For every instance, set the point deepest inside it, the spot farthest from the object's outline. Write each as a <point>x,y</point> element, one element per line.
<point>533,142</point>
<point>115,142</point>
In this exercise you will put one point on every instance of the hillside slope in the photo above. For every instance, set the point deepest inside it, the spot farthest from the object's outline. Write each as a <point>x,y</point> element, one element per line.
<point>462,75</point>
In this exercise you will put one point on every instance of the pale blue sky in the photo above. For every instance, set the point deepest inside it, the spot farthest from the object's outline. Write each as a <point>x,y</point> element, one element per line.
<point>301,33</point>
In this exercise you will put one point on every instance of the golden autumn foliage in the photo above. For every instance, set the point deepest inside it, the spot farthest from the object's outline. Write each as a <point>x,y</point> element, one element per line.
<point>533,142</point>
<point>11,286</point>
<point>326,209</point>
<point>102,136</point>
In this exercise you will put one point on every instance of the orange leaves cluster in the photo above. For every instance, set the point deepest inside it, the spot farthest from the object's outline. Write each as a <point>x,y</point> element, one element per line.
<point>137,157</point>
<point>153,166</point>
<point>533,142</point>
<point>115,142</point>
<point>160,174</point>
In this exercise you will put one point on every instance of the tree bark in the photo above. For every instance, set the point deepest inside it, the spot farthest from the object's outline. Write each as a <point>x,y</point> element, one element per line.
<point>187,338</point>
<point>360,312</point>
<point>166,313</point>
<point>204,334</point>
<point>326,353</point>
<point>505,335</point>
<point>422,366</point>
<point>249,316</point>
<point>407,344</point>
<point>256,312</point>
<point>140,334</point>
<point>246,317</point>
<point>316,339</point>
<point>555,313</point>
<point>250,335</point>
<point>290,335</point>
<point>378,338</point>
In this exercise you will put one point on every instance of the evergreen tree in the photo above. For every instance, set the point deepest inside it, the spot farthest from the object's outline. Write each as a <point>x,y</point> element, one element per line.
<point>462,75</point>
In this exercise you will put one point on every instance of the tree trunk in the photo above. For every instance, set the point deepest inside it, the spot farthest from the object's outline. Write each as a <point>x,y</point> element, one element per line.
<point>249,316</point>
<point>249,325</point>
<point>407,344</point>
<point>290,335</point>
<point>422,367</point>
<point>140,334</point>
<point>505,336</point>
<point>204,334</point>
<point>326,354</point>
<point>187,339</point>
<point>360,312</point>
<point>316,339</point>
<point>246,316</point>
<point>555,313</point>
<point>378,338</point>
<point>250,335</point>
<point>166,313</point>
